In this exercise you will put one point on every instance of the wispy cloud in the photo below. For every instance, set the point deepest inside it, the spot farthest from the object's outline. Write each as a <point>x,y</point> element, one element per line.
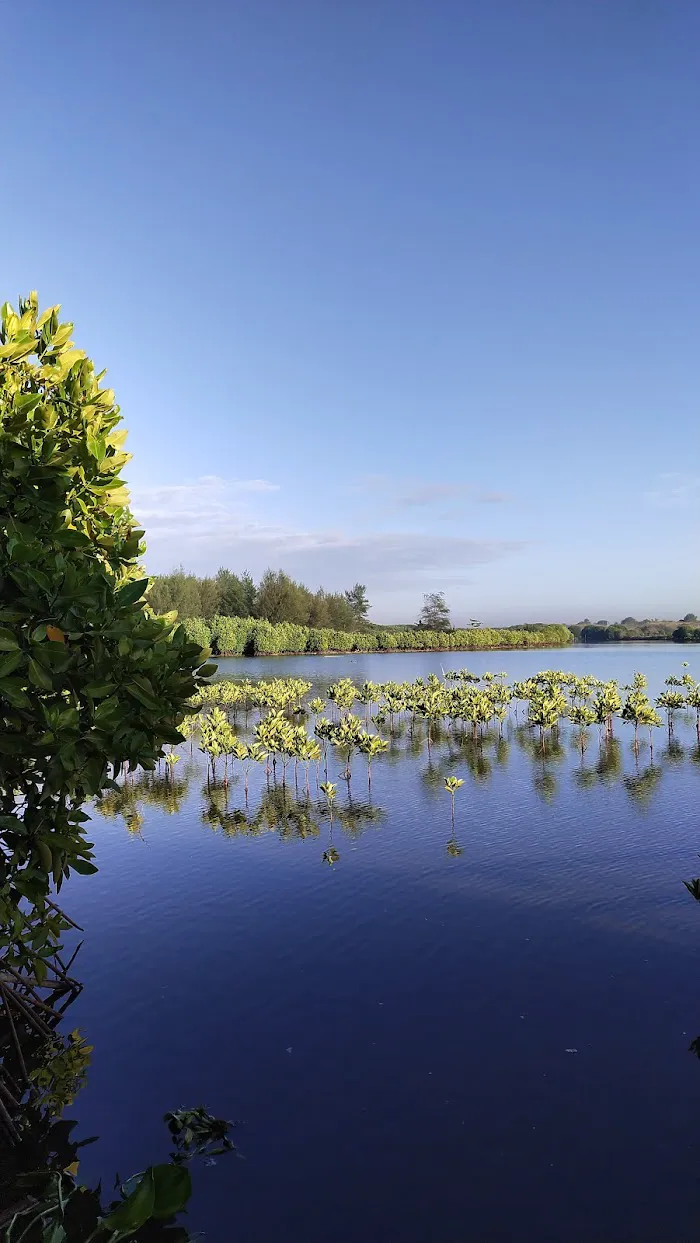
<point>413,493</point>
<point>427,494</point>
<point>211,522</point>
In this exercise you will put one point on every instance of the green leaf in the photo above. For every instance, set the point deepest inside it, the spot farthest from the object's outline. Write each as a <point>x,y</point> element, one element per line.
<point>83,867</point>
<point>26,402</point>
<point>9,663</point>
<point>12,690</point>
<point>144,696</point>
<point>136,1209</point>
<point>8,641</point>
<point>132,592</point>
<point>173,1188</point>
<point>98,690</point>
<point>39,676</point>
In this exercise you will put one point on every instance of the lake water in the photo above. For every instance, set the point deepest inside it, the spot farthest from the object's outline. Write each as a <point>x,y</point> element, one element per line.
<point>423,1045</point>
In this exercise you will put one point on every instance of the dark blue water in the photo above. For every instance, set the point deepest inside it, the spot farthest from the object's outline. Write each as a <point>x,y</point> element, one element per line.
<point>492,1046</point>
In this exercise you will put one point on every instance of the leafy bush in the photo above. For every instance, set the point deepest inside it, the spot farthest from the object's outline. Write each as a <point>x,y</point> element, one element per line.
<point>230,634</point>
<point>198,631</point>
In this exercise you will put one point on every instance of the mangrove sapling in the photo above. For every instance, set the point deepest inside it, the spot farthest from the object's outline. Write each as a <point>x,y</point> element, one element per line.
<point>346,736</point>
<point>545,709</point>
<point>323,729</point>
<point>367,695</point>
<point>638,710</point>
<point>372,745</point>
<point>310,754</point>
<point>215,737</point>
<point>452,784</point>
<point>331,855</point>
<point>189,727</point>
<point>342,694</point>
<point>583,716</point>
<point>692,700</point>
<point>606,704</point>
<point>672,701</point>
<point>255,754</point>
<point>432,707</point>
<point>171,760</point>
<point>273,734</point>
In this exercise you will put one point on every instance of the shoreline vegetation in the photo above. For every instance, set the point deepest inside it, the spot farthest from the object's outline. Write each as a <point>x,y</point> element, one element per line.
<point>247,636</point>
<point>629,630</point>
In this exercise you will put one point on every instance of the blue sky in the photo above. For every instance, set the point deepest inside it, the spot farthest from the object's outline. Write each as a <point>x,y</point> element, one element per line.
<point>404,292</point>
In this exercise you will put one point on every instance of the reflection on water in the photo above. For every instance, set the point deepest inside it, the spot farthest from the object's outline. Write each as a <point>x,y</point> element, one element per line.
<point>390,1000</point>
<point>295,809</point>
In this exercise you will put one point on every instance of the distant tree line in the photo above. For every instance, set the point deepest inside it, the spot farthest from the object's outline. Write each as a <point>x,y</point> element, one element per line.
<point>240,636</point>
<point>276,598</point>
<point>687,630</point>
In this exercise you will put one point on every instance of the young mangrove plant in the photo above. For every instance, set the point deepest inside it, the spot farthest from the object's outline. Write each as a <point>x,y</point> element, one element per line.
<point>671,701</point>
<point>346,736</point>
<point>452,785</point>
<point>606,704</point>
<point>330,855</point>
<point>343,694</point>
<point>582,715</point>
<point>372,745</point>
<point>638,710</point>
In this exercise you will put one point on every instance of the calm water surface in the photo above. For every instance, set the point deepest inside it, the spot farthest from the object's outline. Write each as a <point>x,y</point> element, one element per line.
<point>492,1046</point>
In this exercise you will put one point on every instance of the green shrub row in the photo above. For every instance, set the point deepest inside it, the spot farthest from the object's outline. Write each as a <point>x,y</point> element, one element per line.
<point>244,636</point>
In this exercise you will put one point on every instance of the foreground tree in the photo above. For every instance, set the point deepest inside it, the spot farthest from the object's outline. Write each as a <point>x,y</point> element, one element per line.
<point>434,614</point>
<point>90,679</point>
